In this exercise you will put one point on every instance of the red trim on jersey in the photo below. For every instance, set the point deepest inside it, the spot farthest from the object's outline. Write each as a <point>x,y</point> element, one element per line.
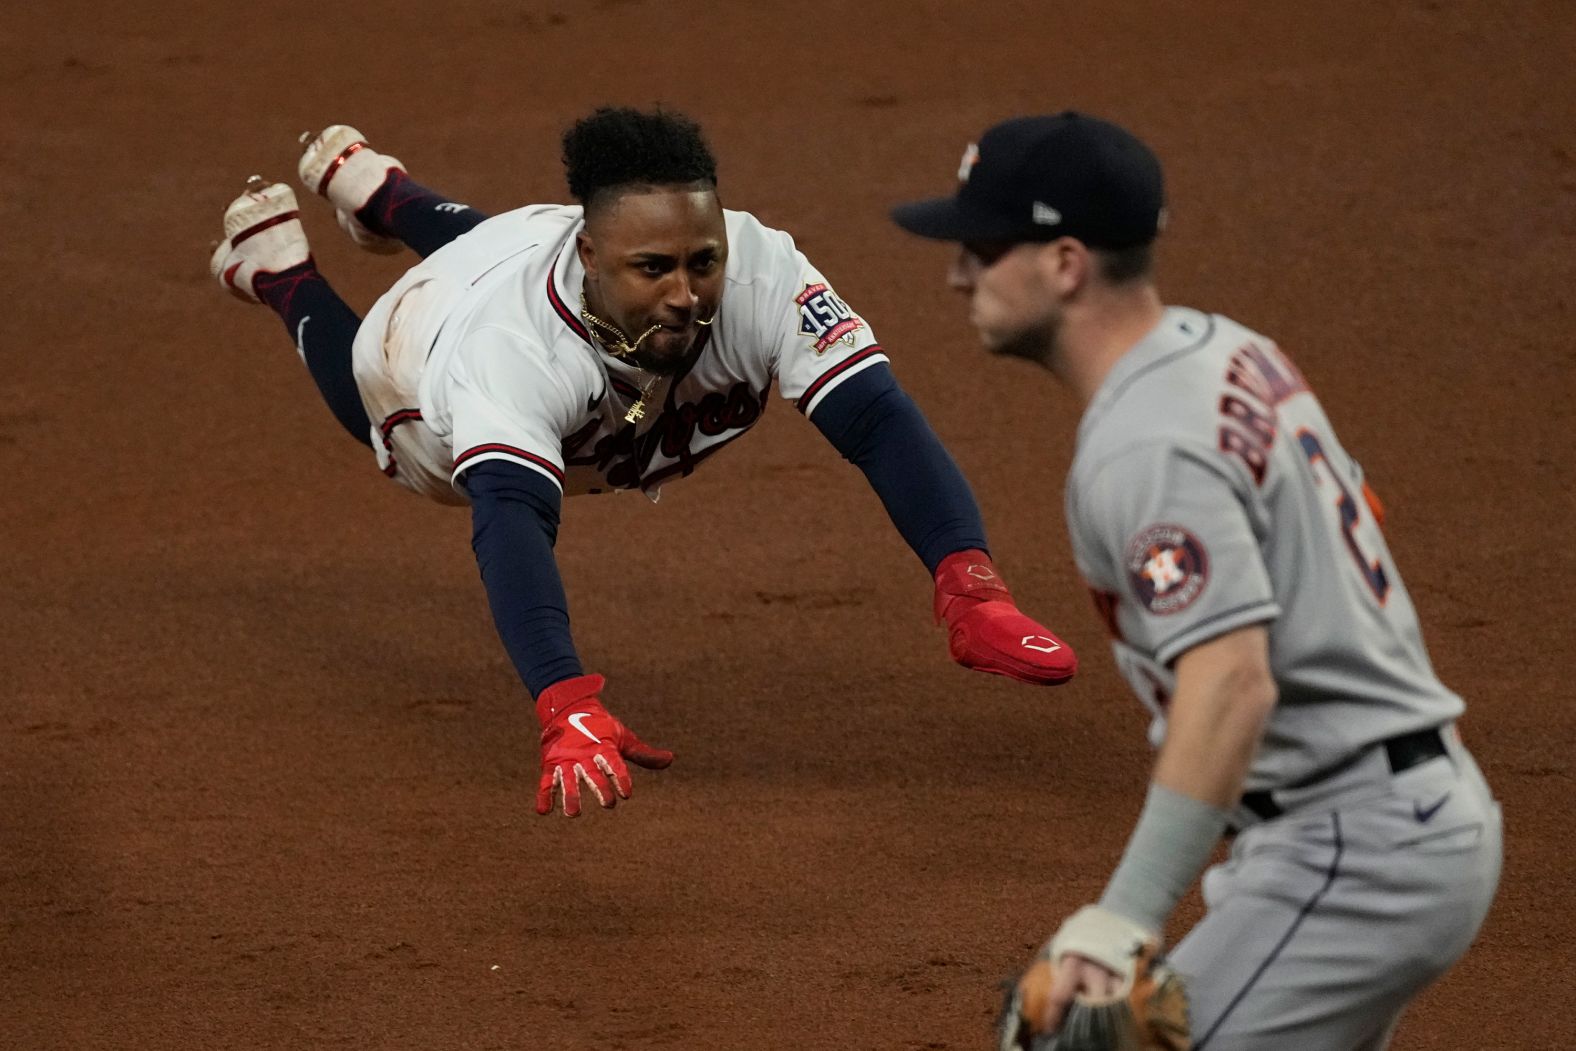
<point>558,304</point>
<point>402,416</point>
<point>386,429</point>
<point>832,373</point>
<point>624,387</point>
<point>266,224</point>
<point>498,447</point>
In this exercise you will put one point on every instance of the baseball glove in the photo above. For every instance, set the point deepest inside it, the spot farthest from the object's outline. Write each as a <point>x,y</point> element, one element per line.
<point>1147,1013</point>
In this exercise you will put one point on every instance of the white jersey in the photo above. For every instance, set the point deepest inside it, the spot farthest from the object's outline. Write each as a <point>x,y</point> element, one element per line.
<point>482,348</point>
<point>1209,493</point>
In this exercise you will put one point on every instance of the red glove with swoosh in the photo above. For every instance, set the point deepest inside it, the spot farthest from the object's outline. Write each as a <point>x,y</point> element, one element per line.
<point>581,742</point>
<point>986,631</point>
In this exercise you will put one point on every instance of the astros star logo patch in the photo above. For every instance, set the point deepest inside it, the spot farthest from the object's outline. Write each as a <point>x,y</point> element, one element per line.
<point>1163,569</point>
<point>1167,567</point>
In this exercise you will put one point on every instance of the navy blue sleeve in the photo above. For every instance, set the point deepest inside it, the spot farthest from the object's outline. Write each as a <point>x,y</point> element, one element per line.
<point>514,520</point>
<point>880,430</point>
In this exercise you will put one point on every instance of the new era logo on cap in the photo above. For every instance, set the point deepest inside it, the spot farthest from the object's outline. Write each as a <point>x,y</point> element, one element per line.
<point>971,157</point>
<point>1045,215</point>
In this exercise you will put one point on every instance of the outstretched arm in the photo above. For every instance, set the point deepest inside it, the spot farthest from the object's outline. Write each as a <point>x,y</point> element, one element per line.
<point>879,429</point>
<point>514,514</point>
<point>514,520</point>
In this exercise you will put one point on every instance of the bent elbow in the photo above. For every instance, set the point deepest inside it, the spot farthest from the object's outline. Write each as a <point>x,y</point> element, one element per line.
<point>1249,691</point>
<point>1257,693</point>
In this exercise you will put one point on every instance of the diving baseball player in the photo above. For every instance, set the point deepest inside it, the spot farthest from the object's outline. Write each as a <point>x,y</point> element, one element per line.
<point>612,345</point>
<point>1235,553</point>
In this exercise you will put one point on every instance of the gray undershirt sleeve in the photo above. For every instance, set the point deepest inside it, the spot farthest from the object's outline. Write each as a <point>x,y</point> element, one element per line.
<point>1169,847</point>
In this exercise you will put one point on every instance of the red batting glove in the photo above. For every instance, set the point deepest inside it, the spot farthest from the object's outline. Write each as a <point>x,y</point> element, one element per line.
<point>986,631</point>
<point>581,742</point>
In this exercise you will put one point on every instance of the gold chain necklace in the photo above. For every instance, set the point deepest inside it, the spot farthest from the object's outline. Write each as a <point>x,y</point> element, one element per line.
<point>616,343</point>
<point>610,335</point>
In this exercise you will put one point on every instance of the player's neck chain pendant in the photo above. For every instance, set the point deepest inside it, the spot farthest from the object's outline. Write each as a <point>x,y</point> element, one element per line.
<point>637,411</point>
<point>616,343</point>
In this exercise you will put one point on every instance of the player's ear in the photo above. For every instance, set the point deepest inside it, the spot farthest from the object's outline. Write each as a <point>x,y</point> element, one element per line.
<point>585,248</point>
<point>1066,265</point>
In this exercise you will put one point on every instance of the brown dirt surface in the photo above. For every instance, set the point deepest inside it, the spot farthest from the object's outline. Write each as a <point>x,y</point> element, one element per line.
<point>266,774</point>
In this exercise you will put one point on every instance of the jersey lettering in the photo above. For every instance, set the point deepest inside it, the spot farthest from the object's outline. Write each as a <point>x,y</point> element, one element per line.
<point>1268,378</point>
<point>1247,433</point>
<point>1255,457</point>
<point>1267,369</point>
<point>624,459</point>
<point>1260,425</point>
<point>1349,511</point>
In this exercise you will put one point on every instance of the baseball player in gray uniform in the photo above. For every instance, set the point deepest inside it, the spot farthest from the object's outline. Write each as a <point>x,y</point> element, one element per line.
<point>1235,553</point>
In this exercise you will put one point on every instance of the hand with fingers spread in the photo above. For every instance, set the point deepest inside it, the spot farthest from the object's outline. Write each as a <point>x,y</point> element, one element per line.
<point>582,744</point>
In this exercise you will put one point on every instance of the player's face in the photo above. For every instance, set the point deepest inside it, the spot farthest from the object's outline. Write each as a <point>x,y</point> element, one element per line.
<point>1010,305</point>
<point>656,257</point>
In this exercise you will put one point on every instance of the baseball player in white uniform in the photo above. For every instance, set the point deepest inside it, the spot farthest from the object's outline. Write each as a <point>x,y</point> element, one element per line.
<point>613,344</point>
<point>1235,553</point>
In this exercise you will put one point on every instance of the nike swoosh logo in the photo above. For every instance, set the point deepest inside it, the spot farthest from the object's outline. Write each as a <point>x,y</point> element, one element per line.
<point>595,400</point>
<point>583,715</point>
<point>1425,814</point>
<point>301,336</point>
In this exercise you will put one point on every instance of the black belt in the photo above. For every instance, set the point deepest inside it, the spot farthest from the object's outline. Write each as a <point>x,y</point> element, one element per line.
<point>1403,753</point>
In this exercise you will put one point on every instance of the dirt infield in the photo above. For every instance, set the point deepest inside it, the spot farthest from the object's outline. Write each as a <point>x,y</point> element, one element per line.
<point>265,772</point>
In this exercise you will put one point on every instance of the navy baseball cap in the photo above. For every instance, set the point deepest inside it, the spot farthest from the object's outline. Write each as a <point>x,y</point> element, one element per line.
<point>1040,178</point>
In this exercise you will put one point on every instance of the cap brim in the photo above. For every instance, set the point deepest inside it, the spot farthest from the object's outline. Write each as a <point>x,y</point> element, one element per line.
<point>950,219</point>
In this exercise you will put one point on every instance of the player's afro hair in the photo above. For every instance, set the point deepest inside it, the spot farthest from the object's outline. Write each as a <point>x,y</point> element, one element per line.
<point>616,147</point>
